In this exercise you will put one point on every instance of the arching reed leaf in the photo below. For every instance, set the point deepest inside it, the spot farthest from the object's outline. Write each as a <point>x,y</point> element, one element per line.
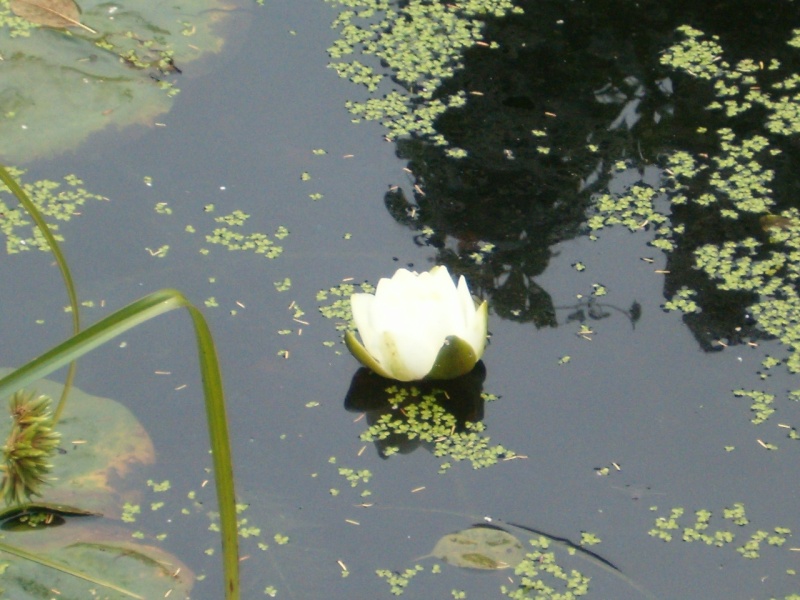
<point>118,323</point>
<point>16,189</point>
<point>60,14</point>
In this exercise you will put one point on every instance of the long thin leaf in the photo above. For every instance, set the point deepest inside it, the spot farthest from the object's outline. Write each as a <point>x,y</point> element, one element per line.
<point>66,275</point>
<point>118,323</point>
<point>65,569</point>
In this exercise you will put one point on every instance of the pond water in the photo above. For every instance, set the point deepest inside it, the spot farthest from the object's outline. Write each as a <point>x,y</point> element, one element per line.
<point>612,412</point>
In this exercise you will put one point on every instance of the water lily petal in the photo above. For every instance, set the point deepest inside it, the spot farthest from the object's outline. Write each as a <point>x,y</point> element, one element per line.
<point>362,308</point>
<point>477,335</point>
<point>401,366</point>
<point>365,358</point>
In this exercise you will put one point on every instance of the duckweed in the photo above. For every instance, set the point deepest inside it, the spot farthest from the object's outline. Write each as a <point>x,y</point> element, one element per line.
<point>425,419</point>
<point>421,44</point>
<point>56,200</point>
<point>700,531</point>
<point>733,182</point>
<point>542,578</point>
<point>683,300</point>
<point>397,581</point>
<point>339,307</point>
<point>762,405</point>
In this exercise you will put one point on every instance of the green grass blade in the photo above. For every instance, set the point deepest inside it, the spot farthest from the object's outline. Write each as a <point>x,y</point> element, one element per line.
<point>118,323</point>
<point>66,275</point>
<point>64,569</point>
<point>220,450</point>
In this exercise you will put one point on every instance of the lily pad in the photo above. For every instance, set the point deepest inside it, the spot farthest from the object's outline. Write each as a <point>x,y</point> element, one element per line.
<point>103,443</point>
<point>116,65</point>
<point>99,550</point>
<point>486,548</point>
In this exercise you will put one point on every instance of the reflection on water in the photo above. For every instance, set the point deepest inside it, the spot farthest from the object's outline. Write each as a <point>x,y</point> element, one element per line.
<point>574,127</point>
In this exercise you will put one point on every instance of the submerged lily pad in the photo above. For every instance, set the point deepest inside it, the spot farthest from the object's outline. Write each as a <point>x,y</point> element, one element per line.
<point>103,444</point>
<point>113,67</point>
<point>95,549</point>
<point>484,548</point>
<point>102,441</point>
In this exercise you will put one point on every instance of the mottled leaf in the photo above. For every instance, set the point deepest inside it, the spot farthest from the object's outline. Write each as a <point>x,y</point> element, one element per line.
<point>98,550</point>
<point>480,548</point>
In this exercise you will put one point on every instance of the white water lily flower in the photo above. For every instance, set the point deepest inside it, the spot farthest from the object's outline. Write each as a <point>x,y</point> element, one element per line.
<point>419,326</point>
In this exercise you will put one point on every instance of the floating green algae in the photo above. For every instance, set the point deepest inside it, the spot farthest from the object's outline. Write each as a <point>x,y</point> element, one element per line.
<point>667,527</point>
<point>398,581</point>
<point>715,208</point>
<point>420,44</point>
<point>737,86</point>
<point>338,303</point>
<point>543,578</point>
<point>229,231</point>
<point>56,200</point>
<point>413,417</point>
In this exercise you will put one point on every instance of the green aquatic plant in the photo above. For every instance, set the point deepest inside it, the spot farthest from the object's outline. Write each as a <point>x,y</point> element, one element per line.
<point>667,527</point>
<point>28,448</point>
<point>83,341</point>
<point>421,44</point>
<point>730,184</point>
<point>58,201</point>
<point>541,577</point>
<point>410,417</point>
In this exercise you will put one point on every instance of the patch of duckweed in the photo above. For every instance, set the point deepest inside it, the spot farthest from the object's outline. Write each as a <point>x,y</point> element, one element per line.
<point>338,307</point>
<point>683,300</point>
<point>762,404</point>
<point>737,86</point>
<point>129,512</point>
<point>421,417</point>
<point>733,184</point>
<point>397,581</point>
<point>589,539</point>
<point>56,200</point>
<point>634,210</point>
<point>232,238</point>
<point>700,530</point>
<point>284,285</point>
<point>355,477</point>
<point>542,578</point>
<point>420,44</point>
<point>773,272</point>
<point>484,250</point>
<point>695,55</point>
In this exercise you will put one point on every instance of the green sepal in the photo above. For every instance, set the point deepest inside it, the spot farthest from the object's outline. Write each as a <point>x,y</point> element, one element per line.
<point>361,355</point>
<point>456,358</point>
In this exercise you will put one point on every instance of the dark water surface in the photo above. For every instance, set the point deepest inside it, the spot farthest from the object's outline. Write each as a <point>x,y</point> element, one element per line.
<point>646,402</point>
